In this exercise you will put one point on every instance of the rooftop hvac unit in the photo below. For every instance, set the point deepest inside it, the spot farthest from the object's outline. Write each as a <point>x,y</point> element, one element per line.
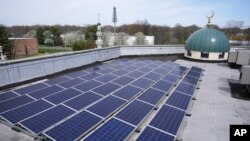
<point>243,57</point>
<point>245,75</point>
<point>232,58</point>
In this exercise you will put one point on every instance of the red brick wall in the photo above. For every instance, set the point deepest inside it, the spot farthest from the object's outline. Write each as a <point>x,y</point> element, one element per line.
<point>25,46</point>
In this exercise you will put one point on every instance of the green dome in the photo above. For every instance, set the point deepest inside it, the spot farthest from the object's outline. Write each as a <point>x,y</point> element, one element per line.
<point>208,40</point>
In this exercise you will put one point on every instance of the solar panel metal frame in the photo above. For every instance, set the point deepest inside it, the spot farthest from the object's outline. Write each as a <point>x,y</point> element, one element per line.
<point>123,89</point>
<point>190,80</point>
<point>194,74</point>
<point>106,88</point>
<point>90,84</point>
<point>109,122</point>
<point>152,76</point>
<point>46,92</point>
<point>34,87</point>
<point>190,87</point>
<point>106,78</point>
<point>9,95</point>
<point>179,104</point>
<point>71,118</point>
<point>151,130</point>
<point>157,85</point>
<point>147,96</point>
<point>138,84</point>
<point>140,120</point>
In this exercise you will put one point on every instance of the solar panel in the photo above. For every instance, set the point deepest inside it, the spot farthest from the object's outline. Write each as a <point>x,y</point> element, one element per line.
<point>105,70</point>
<point>83,100</point>
<point>93,69</point>
<point>135,112</point>
<point>124,80</point>
<point>31,88</point>
<point>168,119</point>
<point>160,71</point>
<point>113,130</point>
<point>63,96</point>
<point>106,78</point>
<point>171,78</point>
<point>196,69</point>
<point>106,106</point>
<point>151,134</point>
<point>70,83</point>
<point>166,67</point>
<point>91,76</point>
<point>177,72</point>
<point>127,92</point>
<point>145,69</point>
<point>106,88</point>
<point>194,74</point>
<point>26,111</point>
<point>57,80</point>
<point>40,122</point>
<point>163,85</point>
<point>118,66</point>
<point>14,102</point>
<point>74,127</point>
<point>86,86</point>
<point>77,74</point>
<point>142,83</point>
<point>135,74</point>
<point>45,92</point>
<point>186,88</point>
<point>190,80</point>
<point>152,65</point>
<point>152,76</point>
<point>179,100</point>
<point>7,95</point>
<point>152,96</point>
<point>120,72</point>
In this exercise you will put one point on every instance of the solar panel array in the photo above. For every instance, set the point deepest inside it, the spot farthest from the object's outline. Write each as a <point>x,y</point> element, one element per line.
<point>78,104</point>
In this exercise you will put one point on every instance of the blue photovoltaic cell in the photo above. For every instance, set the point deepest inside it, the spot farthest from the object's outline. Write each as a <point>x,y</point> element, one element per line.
<point>105,70</point>
<point>196,69</point>
<point>83,100</point>
<point>7,95</point>
<point>31,88</point>
<point>142,83</point>
<point>45,92</point>
<point>145,69</point>
<point>70,83</point>
<point>140,64</point>
<point>14,102</point>
<point>63,96</point>
<point>135,112</point>
<point>26,111</point>
<point>182,68</point>
<point>106,88</point>
<point>194,74</point>
<point>166,67</point>
<point>106,106</point>
<point>93,69</point>
<point>86,86</point>
<point>152,65</point>
<point>130,68</point>
<point>127,92</point>
<point>135,74</point>
<point>190,80</point>
<point>120,72</point>
<point>40,122</point>
<point>160,71</point>
<point>168,119</point>
<point>171,78</point>
<point>152,96</point>
<point>177,72</point>
<point>152,76</point>
<point>106,78</point>
<point>77,74</point>
<point>163,85</point>
<point>74,127</point>
<point>91,76</point>
<point>179,100</point>
<point>118,66</point>
<point>151,134</point>
<point>57,80</point>
<point>124,80</point>
<point>171,63</point>
<point>186,88</point>
<point>113,130</point>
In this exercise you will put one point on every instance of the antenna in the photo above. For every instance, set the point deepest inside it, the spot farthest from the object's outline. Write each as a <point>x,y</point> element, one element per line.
<point>114,19</point>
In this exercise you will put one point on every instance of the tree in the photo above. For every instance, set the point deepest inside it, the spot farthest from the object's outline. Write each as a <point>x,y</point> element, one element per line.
<point>90,33</point>
<point>5,42</point>
<point>140,39</point>
<point>106,37</point>
<point>233,28</point>
<point>121,38</point>
<point>39,35</point>
<point>71,37</point>
<point>247,35</point>
<point>48,37</point>
<point>30,34</point>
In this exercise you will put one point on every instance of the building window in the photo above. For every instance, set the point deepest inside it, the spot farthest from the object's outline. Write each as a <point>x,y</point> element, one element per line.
<point>204,54</point>
<point>221,55</point>
<point>189,53</point>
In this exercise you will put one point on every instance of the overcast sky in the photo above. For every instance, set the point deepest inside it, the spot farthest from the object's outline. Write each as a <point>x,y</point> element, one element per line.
<point>161,12</point>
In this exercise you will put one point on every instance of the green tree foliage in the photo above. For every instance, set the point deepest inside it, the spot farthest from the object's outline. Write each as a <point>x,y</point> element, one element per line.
<point>83,44</point>
<point>90,33</point>
<point>39,35</point>
<point>5,42</point>
<point>140,39</point>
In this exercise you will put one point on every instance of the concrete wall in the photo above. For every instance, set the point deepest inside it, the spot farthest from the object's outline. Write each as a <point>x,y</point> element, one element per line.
<point>14,71</point>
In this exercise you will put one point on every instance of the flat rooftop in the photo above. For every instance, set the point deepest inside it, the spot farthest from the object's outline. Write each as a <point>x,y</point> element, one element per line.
<point>219,102</point>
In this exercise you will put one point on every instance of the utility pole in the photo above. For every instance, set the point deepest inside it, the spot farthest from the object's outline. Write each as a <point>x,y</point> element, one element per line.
<point>114,19</point>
